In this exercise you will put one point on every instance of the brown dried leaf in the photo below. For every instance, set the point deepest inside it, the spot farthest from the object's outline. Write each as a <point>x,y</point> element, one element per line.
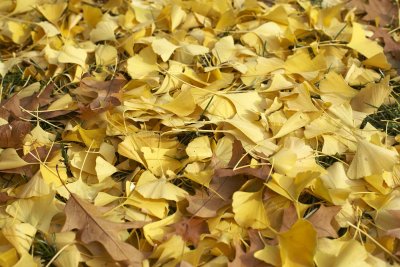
<point>390,44</point>
<point>190,229</point>
<point>246,258</point>
<point>92,227</point>
<point>205,204</point>
<point>100,95</point>
<point>238,161</point>
<point>12,135</point>
<point>384,10</point>
<point>4,197</point>
<point>321,220</point>
<point>289,218</point>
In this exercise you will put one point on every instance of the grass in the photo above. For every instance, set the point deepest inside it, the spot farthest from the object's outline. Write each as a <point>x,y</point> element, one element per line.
<point>327,160</point>
<point>387,117</point>
<point>43,248</point>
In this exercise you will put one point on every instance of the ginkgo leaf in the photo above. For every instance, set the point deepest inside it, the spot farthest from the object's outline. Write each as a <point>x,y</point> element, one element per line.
<point>224,49</point>
<point>371,159</point>
<point>8,257</point>
<point>20,235</point>
<point>363,45</point>
<point>104,30</point>
<point>106,55</point>
<point>52,12</point>
<point>182,105</point>
<point>372,96</point>
<point>341,253</point>
<point>10,159</point>
<point>295,122</point>
<point>142,64</point>
<point>49,29</point>
<point>152,187</point>
<point>37,211</point>
<point>163,48</point>
<point>334,89</point>
<point>199,148</point>
<point>168,250</point>
<point>298,245</point>
<point>249,209</point>
<point>104,169</point>
<point>72,54</point>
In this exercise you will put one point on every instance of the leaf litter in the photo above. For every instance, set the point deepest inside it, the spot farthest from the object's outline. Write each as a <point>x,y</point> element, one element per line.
<point>199,133</point>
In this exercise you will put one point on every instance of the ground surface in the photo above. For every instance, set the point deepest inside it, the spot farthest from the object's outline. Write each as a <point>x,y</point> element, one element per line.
<point>199,133</point>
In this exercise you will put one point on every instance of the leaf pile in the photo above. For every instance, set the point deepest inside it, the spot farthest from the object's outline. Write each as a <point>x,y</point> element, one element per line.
<point>198,133</point>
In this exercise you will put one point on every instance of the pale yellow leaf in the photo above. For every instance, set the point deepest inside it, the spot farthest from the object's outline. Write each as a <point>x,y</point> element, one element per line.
<point>152,187</point>
<point>142,64</point>
<point>199,148</point>
<point>249,209</point>
<point>20,235</point>
<point>298,245</point>
<point>163,48</point>
<point>371,159</point>
<point>104,169</point>
<point>9,159</point>
<point>71,54</point>
<point>106,55</point>
<point>37,211</point>
<point>224,49</point>
<point>362,44</point>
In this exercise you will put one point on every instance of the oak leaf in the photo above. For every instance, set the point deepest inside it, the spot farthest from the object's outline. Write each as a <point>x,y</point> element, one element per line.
<point>321,220</point>
<point>92,227</point>
<point>190,229</point>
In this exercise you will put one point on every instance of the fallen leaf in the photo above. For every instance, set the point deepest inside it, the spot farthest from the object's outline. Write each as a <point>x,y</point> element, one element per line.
<point>92,227</point>
<point>190,229</point>
<point>298,244</point>
<point>321,220</point>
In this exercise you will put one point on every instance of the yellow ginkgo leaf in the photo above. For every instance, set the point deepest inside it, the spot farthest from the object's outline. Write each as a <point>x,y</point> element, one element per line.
<point>301,63</point>
<point>152,187</point>
<point>104,169</point>
<point>142,64</point>
<point>160,160</point>
<point>199,148</point>
<point>104,30</point>
<point>20,235</point>
<point>195,171</point>
<point>163,48</point>
<point>334,89</point>
<point>341,253</point>
<point>24,6</point>
<point>269,254</point>
<point>36,187</point>
<point>9,159</point>
<point>156,231</point>
<point>371,159</point>
<point>71,54</point>
<point>249,209</point>
<point>106,55</point>
<point>49,29</point>
<point>37,211</point>
<point>298,120</point>
<point>224,49</point>
<point>8,257</point>
<point>52,12</point>
<point>298,245</point>
<point>92,138</point>
<point>372,96</point>
<point>168,251</point>
<point>361,44</point>
<point>153,207</point>
<point>182,105</point>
